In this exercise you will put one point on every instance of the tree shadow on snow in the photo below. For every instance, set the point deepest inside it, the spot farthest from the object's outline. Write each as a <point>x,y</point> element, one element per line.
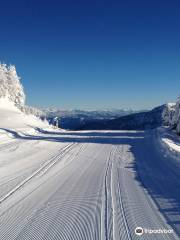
<point>159,175</point>
<point>90,137</point>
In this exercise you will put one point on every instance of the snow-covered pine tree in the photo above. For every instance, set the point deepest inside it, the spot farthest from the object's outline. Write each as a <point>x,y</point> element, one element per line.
<point>34,111</point>
<point>15,88</point>
<point>3,81</point>
<point>10,85</point>
<point>176,118</point>
<point>168,113</point>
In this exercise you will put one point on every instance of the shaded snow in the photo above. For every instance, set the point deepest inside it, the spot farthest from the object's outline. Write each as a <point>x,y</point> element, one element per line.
<point>169,143</point>
<point>172,145</point>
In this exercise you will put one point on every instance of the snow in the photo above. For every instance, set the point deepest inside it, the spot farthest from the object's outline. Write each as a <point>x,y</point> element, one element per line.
<point>10,85</point>
<point>12,118</point>
<point>6,104</point>
<point>168,113</point>
<point>173,146</point>
<point>176,119</point>
<point>171,116</point>
<point>80,185</point>
<point>169,143</point>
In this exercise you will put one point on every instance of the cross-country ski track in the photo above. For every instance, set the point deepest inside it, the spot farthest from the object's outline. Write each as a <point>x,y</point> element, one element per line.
<point>87,185</point>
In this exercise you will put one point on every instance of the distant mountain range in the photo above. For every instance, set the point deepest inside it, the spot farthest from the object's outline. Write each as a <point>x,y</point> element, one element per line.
<point>135,121</point>
<point>114,119</point>
<point>77,119</point>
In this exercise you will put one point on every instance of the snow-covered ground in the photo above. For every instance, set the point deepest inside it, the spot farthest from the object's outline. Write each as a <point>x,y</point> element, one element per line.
<point>84,185</point>
<point>11,117</point>
<point>169,142</point>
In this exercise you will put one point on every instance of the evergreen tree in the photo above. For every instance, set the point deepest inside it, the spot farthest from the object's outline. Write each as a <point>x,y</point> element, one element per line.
<point>10,85</point>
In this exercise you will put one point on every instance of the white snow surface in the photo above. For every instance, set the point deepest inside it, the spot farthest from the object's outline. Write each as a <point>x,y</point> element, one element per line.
<point>11,117</point>
<point>174,146</point>
<point>169,142</point>
<point>83,185</point>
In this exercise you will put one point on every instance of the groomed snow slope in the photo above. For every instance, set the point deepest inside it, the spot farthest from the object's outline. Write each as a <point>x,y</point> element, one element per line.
<point>91,185</point>
<point>11,117</point>
<point>170,143</point>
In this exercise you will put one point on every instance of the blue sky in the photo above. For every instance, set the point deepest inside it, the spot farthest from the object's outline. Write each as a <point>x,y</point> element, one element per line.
<point>94,54</point>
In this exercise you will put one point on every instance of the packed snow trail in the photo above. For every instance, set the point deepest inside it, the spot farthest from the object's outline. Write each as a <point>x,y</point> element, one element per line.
<point>93,185</point>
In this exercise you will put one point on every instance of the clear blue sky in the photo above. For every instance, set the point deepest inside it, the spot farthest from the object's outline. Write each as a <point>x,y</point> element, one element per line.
<point>94,54</point>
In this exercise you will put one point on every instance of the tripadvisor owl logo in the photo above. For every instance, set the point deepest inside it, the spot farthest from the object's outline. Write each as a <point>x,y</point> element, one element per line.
<point>139,231</point>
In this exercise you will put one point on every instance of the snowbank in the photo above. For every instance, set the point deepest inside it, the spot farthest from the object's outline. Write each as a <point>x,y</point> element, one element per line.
<point>12,118</point>
<point>14,114</point>
<point>169,143</point>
